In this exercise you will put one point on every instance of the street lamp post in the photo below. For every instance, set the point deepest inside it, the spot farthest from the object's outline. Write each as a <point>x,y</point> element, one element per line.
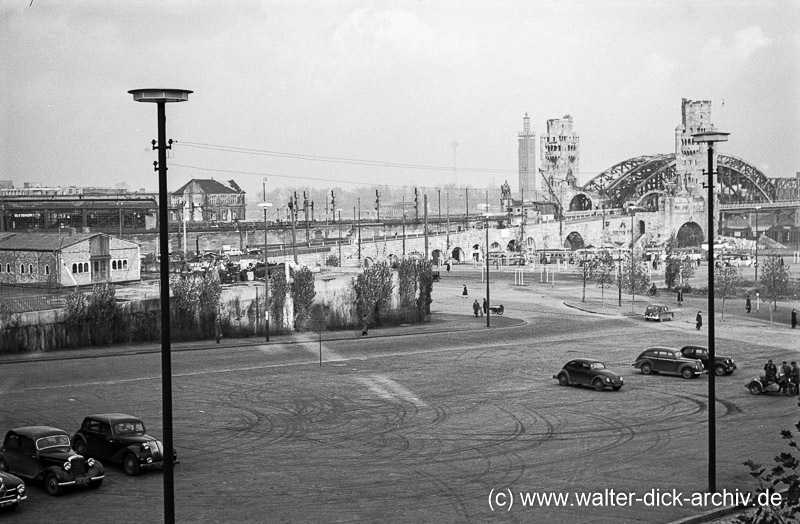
<point>340,238</point>
<point>711,137</point>
<point>488,302</point>
<point>265,205</point>
<point>161,97</point>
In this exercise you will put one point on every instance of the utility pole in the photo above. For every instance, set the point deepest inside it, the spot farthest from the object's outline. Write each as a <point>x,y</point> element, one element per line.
<point>425,214</point>
<point>340,237</point>
<point>359,231</point>
<point>333,206</point>
<point>378,204</point>
<point>404,227</point>
<point>305,214</point>
<point>293,215</point>
<point>416,206</point>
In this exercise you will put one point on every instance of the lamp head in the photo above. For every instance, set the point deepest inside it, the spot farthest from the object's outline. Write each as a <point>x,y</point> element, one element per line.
<point>160,95</point>
<point>710,137</point>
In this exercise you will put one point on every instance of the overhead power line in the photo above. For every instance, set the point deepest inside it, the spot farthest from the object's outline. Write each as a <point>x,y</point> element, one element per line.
<point>338,160</point>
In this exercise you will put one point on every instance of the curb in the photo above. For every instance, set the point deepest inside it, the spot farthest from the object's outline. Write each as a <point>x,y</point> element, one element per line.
<point>710,515</point>
<point>587,310</point>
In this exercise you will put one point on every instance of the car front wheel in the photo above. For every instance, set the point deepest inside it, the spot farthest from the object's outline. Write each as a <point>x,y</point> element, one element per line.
<point>131,465</point>
<point>563,380</point>
<point>3,465</point>
<point>51,485</point>
<point>646,368</point>
<point>598,385</point>
<point>687,373</point>
<point>719,371</point>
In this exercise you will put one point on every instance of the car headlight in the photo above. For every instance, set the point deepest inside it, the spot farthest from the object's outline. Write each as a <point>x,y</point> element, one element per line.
<point>21,489</point>
<point>608,379</point>
<point>67,465</point>
<point>90,462</point>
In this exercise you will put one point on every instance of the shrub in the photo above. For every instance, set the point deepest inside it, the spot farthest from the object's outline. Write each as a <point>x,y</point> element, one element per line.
<point>303,295</point>
<point>103,314</point>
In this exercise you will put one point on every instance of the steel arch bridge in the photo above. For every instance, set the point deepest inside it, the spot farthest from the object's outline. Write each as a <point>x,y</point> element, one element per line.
<point>644,179</point>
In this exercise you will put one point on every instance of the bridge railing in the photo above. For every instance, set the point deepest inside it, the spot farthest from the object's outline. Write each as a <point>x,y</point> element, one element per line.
<point>763,205</point>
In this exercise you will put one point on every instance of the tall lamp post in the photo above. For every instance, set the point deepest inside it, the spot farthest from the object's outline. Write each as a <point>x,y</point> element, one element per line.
<point>161,97</point>
<point>265,205</point>
<point>488,302</point>
<point>710,138</point>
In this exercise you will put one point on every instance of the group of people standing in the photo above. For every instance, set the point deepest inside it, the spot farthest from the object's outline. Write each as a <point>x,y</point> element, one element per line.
<point>478,309</point>
<point>782,375</point>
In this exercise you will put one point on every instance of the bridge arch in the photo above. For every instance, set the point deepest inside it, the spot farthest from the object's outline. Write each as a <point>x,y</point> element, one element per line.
<point>641,178</point>
<point>458,255</point>
<point>690,234</point>
<point>581,202</point>
<point>574,241</point>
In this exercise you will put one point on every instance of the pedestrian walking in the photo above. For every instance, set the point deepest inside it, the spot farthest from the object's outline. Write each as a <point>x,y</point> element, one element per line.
<point>795,377</point>
<point>758,301</point>
<point>485,305</point>
<point>217,328</point>
<point>476,307</point>
<point>465,293</point>
<point>794,318</point>
<point>680,296</point>
<point>364,325</point>
<point>698,320</point>
<point>747,304</point>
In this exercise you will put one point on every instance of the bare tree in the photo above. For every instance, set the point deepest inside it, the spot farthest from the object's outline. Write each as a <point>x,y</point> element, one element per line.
<point>774,281</point>
<point>727,279</point>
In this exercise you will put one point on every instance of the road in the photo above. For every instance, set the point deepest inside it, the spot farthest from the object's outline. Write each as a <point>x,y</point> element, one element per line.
<point>419,427</point>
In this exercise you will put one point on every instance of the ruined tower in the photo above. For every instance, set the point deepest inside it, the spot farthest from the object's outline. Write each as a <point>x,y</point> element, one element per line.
<point>529,178</point>
<point>690,157</point>
<point>561,151</point>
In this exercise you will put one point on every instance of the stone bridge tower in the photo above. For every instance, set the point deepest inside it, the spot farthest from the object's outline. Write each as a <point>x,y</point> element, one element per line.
<point>530,183</point>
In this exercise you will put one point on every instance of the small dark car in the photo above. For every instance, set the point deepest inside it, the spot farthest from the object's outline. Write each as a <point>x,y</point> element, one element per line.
<point>42,453</point>
<point>588,372</point>
<point>122,439</point>
<point>12,490</point>
<point>668,360</point>
<point>722,365</point>
<point>658,312</point>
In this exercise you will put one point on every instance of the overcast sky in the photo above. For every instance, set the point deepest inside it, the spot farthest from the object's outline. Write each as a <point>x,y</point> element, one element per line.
<point>305,85</point>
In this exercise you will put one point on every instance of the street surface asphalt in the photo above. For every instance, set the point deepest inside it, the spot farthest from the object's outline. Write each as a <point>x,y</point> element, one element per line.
<point>422,423</point>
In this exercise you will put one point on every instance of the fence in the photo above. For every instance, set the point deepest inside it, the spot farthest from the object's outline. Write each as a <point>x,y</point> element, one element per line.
<point>36,303</point>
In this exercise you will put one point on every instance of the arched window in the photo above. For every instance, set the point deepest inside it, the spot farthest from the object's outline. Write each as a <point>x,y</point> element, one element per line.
<point>74,268</point>
<point>22,269</point>
<point>8,268</point>
<point>113,264</point>
<point>30,269</point>
<point>46,269</point>
<point>124,264</point>
<point>85,267</point>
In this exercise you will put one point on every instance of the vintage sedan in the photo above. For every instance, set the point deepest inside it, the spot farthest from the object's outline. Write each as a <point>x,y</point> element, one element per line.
<point>12,490</point>
<point>723,365</point>
<point>588,372</point>
<point>668,360</point>
<point>43,454</point>
<point>122,439</point>
<point>658,312</point>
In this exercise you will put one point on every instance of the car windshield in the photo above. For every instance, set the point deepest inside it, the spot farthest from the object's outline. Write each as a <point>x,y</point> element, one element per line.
<point>598,365</point>
<point>129,427</point>
<point>52,441</point>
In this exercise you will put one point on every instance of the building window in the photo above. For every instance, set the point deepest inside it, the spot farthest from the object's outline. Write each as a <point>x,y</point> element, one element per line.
<point>46,269</point>
<point>30,268</point>
<point>22,269</point>
<point>8,268</point>
<point>113,264</point>
<point>85,267</point>
<point>74,268</point>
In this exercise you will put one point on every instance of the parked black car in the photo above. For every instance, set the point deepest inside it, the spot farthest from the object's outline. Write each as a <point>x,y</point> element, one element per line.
<point>722,365</point>
<point>588,372</point>
<point>122,439</point>
<point>42,453</point>
<point>668,360</point>
<point>12,490</point>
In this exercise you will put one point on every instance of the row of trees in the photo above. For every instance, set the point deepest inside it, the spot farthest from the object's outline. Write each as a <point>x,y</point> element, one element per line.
<point>632,275</point>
